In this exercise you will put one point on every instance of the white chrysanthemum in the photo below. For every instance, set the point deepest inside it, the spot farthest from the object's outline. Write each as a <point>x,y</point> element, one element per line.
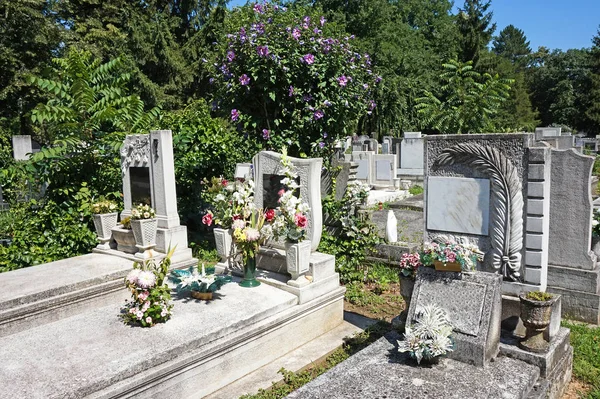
<point>303,207</point>
<point>594,223</point>
<point>267,230</point>
<point>252,234</point>
<point>133,276</point>
<point>146,279</point>
<point>238,224</point>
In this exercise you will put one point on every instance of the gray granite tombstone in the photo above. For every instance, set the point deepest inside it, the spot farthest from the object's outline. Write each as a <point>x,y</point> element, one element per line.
<point>474,306</point>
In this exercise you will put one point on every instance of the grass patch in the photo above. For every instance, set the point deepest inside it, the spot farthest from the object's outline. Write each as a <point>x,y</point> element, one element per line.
<point>294,380</point>
<point>415,190</point>
<point>586,356</point>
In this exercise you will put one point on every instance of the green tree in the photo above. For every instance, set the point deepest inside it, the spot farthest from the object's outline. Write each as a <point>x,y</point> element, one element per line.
<point>476,29</point>
<point>467,101</point>
<point>29,37</point>
<point>593,112</point>
<point>513,45</point>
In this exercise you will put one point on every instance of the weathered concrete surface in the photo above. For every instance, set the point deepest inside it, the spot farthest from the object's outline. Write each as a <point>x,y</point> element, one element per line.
<point>89,352</point>
<point>410,224</point>
<point>379,371</point>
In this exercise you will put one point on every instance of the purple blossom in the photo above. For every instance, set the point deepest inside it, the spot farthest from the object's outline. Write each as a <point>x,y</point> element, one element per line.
<point>342,80</point>
<point>327,103</point>
<point>258,8</point>
<point>318,114</point>
<point>262,51</point>
<point>235,115</point>
<point>365,86</point>
<point>321,144</point>
<point>316,31</point>
<point>324,135</point>
<point>211,81</point>
<point>378,79</point>
<point>244,80</point>
<point>322,20</point>
<point>308,59</point>
<point>296,33</point>
<point>306,22</point>
<point>291,91</point>
<point>230,55</point>
<point>266,134</point>
<point>372,105</point>
<point>242,34</point>
<point>307,97</point>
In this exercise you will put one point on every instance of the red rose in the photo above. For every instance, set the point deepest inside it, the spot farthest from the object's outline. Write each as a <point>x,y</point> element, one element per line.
<point>236,217</point>
<point>300,220</point>
<point>269,214</point>
<point>224,182</point>
<point>207,219</point>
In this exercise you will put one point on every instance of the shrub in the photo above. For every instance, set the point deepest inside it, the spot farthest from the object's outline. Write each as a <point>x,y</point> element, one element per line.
<point>288,78</point>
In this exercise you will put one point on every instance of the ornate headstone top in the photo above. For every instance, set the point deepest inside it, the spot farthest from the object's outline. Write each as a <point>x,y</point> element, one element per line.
<point>135,152</point>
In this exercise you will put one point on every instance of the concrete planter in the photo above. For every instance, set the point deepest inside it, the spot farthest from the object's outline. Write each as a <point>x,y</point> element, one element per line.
<point>104,223</point>
<point>124,239</point>
<point>407,286</point>
<point>224,243</point>
<point>144,231</point>
<point>536,318</point>
<point>297,257</point>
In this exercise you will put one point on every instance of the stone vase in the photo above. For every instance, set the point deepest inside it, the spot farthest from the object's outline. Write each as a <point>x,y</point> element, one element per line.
<point>224,244</point>
<point>104,223</point>
<point>297,258</point>
<point>144,231</point>
<point>249,280</point>
<point>124,239</point>
<point>536,318</point>
<point>407,285</point>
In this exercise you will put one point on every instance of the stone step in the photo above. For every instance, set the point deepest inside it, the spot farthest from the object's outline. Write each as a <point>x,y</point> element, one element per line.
<point>46,293</point>
<point>205,346</point>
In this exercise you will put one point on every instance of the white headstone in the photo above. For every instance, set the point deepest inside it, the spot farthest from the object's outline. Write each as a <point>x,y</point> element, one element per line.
<point>21,147</point>
<point>243,171</point>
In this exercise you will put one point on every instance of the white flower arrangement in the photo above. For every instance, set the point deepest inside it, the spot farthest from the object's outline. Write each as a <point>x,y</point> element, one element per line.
<point>429,337</point>
<point>103,207</point>
<point>143,211</point>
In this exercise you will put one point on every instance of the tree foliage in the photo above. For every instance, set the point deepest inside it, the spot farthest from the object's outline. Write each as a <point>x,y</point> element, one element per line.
<point>513,45</point>
<point>467,101</point>
<point>476,29</point>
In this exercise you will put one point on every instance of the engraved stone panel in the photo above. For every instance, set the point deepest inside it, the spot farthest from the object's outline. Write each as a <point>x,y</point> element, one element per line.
<point>457,204</point>
<point>139,180</point>
<point>362,173</point>
<point>383,170</point>
<point>462,300</point>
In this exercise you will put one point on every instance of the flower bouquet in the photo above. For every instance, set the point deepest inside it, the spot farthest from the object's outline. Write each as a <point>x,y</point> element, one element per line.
<point>451,257</point>
<point>200,286</point>
<point>151,299</point>
<point>409,263</point>
<point>429,338</point>
<point>248,236</point>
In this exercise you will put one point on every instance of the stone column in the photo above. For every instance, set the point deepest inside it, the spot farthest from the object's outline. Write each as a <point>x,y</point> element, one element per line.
<point>163,178</point>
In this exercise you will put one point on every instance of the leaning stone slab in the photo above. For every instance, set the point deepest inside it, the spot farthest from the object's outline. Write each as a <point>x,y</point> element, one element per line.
<point>379,371</point>
<point>474,306</point>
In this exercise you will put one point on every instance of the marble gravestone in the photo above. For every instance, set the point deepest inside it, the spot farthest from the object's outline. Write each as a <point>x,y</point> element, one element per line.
<point>243,171</point>
<point>22,147</point>
<point>474,306</point>
<point>267,173</point>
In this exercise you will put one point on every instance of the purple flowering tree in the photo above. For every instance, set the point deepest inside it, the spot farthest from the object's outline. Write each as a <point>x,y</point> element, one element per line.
<point>288,78</point>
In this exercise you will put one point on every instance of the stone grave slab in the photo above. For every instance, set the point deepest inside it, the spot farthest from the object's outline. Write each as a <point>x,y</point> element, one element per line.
<point>474,306</point>
<point>362,172</point>
<point>458,204</point>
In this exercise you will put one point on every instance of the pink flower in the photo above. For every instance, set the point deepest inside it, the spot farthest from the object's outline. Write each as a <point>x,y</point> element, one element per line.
<point>300,220</point>
<point>149,320</point>
<point>281,192</point>
<point>308,59</point>
<point>296,33</point>
<point>342,80</point>
<point>235,114</point>
<point>207,219</point>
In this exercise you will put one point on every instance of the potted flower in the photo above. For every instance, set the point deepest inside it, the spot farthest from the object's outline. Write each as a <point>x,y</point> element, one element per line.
<point>199,286</point>
<point>123,235</point>
<point>450,257</point>
<point>144,225</point>
<point>290,221</point>
<point>229,200</point>
<point>151,298</point>
<point>536,310</point>
<point>409,263</point>
<point>105,218</point>
<point>248,236</point>
<point>429,338</point>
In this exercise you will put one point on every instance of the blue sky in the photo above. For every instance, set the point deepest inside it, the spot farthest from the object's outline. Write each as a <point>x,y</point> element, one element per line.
<point>551,23</point>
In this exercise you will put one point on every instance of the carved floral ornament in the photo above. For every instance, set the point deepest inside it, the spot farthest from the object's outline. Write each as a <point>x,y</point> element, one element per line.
<point>135,150</point>
<point>506,201</point>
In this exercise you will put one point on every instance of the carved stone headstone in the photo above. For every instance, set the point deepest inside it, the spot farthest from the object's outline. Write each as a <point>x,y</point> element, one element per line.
<point>411,154</point>
<point>474,306</point>
<point>22,147</point>
<point>267,168</point>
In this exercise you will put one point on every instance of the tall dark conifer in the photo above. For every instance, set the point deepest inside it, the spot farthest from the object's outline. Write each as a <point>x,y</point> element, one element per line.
<point>476,29</point>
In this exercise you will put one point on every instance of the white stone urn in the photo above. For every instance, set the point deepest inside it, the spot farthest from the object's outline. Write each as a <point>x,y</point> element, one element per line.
<point>297,257</point>
<point>224,244</point>
<point>144,231</point>
<point>104,223</point>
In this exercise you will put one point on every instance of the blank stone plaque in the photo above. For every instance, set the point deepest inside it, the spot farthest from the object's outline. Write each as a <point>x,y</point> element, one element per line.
<point>139,178</point>
<point>458,205</point>
<point>362,172</point>
<point>383,170</point>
